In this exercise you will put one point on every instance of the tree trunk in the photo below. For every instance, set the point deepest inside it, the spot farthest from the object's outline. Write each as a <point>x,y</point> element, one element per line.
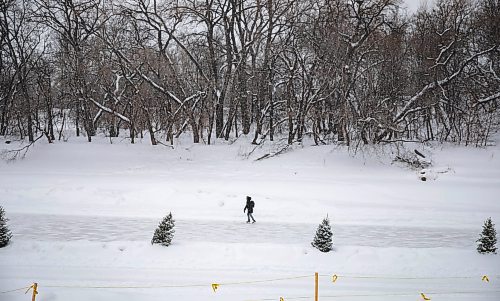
<point>77,118</point>
<point>27,100</point>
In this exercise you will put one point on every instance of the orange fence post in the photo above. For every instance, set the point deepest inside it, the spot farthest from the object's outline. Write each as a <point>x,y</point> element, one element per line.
<point>316,286</point>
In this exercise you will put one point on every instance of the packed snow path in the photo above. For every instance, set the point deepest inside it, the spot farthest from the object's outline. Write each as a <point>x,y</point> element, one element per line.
<point>107,229</point>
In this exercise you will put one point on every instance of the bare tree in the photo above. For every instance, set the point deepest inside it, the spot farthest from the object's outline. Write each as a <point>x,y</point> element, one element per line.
<point>22,47</point>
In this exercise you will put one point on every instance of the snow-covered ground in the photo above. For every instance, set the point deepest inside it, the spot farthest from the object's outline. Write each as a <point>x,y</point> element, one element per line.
<point>83,214</point>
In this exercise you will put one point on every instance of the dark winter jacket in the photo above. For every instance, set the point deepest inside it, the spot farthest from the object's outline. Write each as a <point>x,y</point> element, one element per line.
<point>249,206</point>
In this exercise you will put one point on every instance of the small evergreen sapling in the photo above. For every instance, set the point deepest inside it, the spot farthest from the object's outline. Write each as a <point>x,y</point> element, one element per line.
<point>488,238</point>
<point>323,239</point>
<point>5,234</point>
<point>165,232</point>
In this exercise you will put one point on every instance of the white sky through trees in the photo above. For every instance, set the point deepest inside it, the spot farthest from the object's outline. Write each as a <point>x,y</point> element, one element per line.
<point>413,5</point>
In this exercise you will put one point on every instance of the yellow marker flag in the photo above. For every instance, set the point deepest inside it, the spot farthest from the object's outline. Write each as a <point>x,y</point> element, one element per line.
<point>34,288</point>
<point>425,297</point>
<point>215,286</point>
<point>334,278</point>
<point>485,278</point>
<point>281,299</point>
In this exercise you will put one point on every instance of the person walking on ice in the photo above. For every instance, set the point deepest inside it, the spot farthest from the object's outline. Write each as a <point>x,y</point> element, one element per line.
<point>249,209</point>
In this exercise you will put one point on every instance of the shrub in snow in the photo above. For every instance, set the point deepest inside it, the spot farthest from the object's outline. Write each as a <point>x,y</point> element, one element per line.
<point>165,232</point>
<point>323,239</point>
<point>5,234</point>
<point>413,160</point>
<point>488,238</point>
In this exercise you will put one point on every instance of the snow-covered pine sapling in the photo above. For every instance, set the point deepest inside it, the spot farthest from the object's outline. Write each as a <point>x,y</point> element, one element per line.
<point>323,239</point>
<point>488,238</point>
<point>165,232</point>
<point>5,234</point>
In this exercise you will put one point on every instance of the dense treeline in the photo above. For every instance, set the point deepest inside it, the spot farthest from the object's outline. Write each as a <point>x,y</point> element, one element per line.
<point>354,71</point>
